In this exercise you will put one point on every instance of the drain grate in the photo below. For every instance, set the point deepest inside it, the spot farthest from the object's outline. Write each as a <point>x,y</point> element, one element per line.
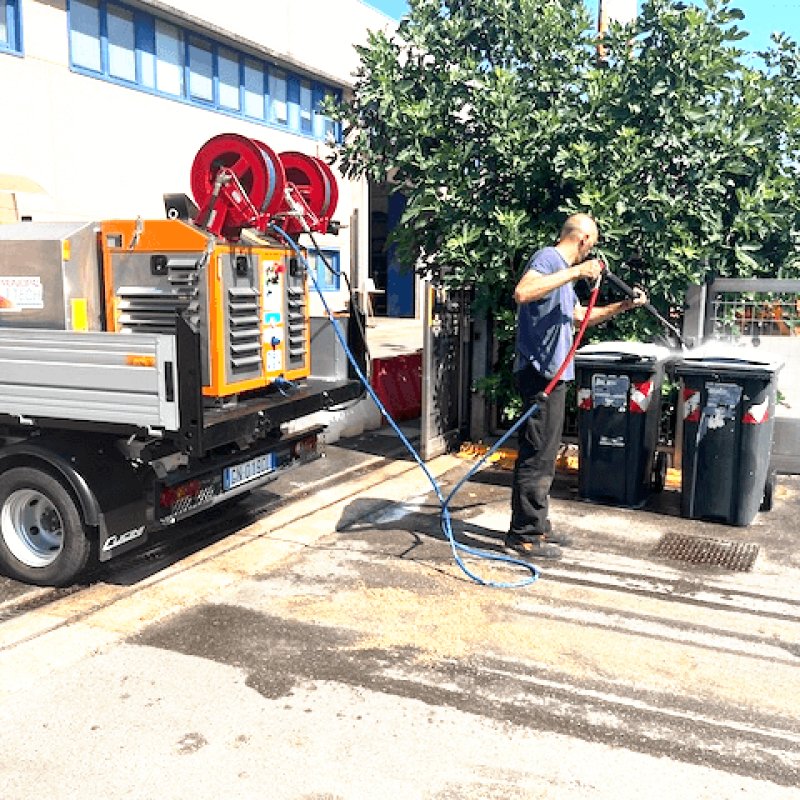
<point>738,556</point>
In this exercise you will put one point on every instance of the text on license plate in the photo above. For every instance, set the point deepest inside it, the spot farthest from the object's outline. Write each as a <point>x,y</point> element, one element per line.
<point>248,471</point>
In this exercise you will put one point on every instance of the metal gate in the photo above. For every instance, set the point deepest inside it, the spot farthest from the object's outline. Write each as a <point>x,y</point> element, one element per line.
<point>445,369</point>
<point>764,313</point>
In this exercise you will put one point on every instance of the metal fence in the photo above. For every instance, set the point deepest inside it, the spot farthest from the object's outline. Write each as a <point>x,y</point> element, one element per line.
<point>754,314</point>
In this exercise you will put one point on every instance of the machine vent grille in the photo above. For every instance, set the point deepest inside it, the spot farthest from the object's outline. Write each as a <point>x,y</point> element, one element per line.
<point>296,327</point>
<point>245,330</point>
<point>153,310</point>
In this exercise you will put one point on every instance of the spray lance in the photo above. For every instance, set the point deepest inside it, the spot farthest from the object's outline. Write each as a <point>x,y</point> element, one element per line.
<point>623,287</point>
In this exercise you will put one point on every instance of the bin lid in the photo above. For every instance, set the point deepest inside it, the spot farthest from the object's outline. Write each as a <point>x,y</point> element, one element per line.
<point>622,353</point>
<point>729,359</point>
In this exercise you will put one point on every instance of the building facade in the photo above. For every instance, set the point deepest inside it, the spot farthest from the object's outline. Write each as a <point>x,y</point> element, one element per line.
<point>105,103</point>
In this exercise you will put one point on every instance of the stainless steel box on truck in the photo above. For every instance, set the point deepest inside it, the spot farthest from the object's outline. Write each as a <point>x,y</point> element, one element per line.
<point>50,276</point>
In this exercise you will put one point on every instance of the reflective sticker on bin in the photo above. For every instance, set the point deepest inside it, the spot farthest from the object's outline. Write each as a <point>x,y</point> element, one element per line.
<point>757,414</point>
<point>641,395</point>
<point>691,405</point>
<point>585,399</point>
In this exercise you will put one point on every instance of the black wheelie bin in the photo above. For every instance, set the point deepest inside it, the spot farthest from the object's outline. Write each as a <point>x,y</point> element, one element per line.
<point>728,406</point>
<point>619,413</point>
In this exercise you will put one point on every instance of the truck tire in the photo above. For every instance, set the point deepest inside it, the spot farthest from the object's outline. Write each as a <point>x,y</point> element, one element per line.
<point>43,540</point>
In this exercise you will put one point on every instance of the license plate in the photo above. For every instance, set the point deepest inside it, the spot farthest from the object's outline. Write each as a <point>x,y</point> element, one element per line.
<point>248,471</point>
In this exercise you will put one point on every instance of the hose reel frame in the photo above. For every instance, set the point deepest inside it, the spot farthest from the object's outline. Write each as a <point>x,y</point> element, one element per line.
<point>239,183</point>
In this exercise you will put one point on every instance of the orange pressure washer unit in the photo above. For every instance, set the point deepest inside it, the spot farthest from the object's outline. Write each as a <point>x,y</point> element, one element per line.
<point>245,294</point>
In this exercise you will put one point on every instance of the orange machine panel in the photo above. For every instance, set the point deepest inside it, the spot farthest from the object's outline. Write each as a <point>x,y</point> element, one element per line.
<point>249,302</point>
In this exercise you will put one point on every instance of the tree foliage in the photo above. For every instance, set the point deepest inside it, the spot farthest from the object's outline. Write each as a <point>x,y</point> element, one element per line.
<point>495,118</point>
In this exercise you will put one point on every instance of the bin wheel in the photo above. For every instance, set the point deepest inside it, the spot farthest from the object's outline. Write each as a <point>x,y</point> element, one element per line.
<point>769,492</point>
<point>659,477</point>
<point>43,540</point>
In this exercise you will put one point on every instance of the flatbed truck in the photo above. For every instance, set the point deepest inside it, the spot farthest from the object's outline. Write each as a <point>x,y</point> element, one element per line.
<point>149,370</point>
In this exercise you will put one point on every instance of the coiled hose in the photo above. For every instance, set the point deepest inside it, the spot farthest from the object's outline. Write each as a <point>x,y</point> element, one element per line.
<point>457,548</point>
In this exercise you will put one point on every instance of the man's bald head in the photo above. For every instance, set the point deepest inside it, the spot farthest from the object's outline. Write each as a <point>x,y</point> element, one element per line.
<point>578,237</point>
<point>579,225</point>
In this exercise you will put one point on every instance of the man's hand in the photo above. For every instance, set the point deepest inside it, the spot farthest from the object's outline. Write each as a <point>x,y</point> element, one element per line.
<point>589,269</point>
<point>639,299</point>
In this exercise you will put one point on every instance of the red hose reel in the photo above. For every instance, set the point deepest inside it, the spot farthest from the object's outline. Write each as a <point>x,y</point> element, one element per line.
<point>240,183</point>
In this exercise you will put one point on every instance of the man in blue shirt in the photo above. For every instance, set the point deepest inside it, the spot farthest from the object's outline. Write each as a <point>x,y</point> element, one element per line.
<point>548,310</point>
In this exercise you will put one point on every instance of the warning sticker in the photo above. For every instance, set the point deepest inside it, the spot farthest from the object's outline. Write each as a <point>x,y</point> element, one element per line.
<point>610,391</point>
<point>21,293</point>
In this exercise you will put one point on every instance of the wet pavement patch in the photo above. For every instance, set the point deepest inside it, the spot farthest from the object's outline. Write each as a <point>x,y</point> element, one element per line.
<point>284,658</point>
<point>737,556</point>
<point>276,653</point>
<point>280,656</point>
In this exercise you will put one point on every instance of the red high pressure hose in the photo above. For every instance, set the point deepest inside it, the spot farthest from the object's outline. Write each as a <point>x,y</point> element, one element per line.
<point>578,337</point>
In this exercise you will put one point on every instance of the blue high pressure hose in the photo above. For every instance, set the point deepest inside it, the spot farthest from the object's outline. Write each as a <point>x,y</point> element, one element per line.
<point>445,520</point>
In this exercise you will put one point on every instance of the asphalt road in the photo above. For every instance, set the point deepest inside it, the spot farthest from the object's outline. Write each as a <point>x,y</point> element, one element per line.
<point>329,647</point>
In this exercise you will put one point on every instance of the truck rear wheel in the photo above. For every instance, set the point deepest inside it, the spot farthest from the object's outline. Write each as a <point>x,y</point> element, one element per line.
<point>42,537</point>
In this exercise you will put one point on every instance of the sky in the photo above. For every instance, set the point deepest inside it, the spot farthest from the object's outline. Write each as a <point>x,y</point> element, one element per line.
<point>761,17</point>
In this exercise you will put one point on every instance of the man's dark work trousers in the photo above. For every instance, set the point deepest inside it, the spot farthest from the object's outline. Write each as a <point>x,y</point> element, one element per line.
<point>539,441</point>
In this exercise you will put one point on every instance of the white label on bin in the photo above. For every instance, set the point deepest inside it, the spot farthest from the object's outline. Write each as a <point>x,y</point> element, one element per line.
<point>725,396</point>
<point>610,391</point>
<point>723,399</point>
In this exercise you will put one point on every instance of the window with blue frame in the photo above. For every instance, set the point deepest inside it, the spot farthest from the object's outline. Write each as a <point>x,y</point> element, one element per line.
<point>121,34</point>
<point>10,38</point>
<point>306,107</point>
<point>84,38</point>
<point>255,103</point>
<point>328,278</point>
<point>278,106</point>
<point>169,59</point>
<point>201,70</point>
<point>229,79</point>
<point>125,45</point>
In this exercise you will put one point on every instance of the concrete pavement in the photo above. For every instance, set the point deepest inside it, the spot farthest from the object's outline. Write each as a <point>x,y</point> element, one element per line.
<point>332,649</point>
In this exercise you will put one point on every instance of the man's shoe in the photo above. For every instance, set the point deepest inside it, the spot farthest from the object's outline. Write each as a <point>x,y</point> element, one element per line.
<point>550,536</point>
<point>533,547</point>
<point>561,539</point>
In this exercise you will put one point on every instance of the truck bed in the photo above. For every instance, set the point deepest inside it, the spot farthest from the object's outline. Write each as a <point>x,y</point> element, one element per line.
<point>89,377</point>
<point>141,384</point>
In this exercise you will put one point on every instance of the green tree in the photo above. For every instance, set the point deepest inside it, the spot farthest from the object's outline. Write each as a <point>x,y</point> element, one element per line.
<point>495,118</point>
<point>688,155</point>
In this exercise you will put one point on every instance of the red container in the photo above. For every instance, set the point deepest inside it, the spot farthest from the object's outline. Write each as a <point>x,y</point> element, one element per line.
<point>398,383</point>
